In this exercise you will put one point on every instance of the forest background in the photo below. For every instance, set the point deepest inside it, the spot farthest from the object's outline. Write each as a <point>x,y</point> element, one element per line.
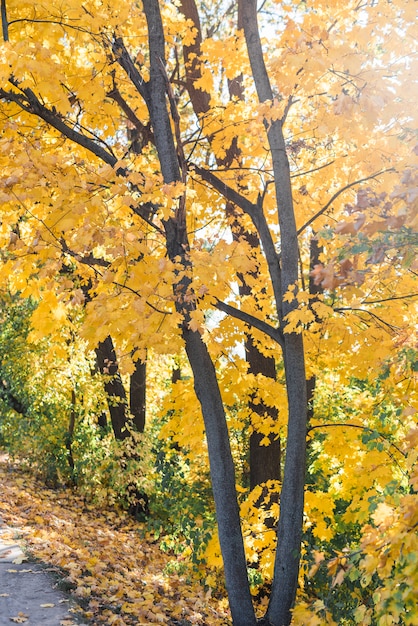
<point>208,285</point>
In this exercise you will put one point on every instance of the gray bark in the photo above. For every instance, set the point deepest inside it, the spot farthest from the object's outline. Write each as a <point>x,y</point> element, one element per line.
<point>264,460</point>
<point>223,480</point>
<point>289,530</point>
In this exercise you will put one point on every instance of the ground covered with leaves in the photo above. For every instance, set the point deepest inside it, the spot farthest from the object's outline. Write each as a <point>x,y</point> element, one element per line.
<point>113,567</point>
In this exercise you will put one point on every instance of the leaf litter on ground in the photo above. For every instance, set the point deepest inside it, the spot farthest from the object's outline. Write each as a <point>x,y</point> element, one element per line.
<point>115,572</point>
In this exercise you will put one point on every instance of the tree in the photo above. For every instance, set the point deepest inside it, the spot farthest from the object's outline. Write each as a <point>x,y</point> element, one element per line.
<point>129,222</point>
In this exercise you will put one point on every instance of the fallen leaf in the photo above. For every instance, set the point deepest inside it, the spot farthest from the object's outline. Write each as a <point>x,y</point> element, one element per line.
<point>20,618</point>
<point>47,606</point>
<point>19,559</point>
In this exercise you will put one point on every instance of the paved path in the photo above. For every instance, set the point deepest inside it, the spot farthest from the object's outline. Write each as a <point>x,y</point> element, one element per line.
<point>28,591</point>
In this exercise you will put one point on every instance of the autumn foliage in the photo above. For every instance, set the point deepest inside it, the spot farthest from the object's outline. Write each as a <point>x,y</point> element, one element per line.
<point>229,196</point>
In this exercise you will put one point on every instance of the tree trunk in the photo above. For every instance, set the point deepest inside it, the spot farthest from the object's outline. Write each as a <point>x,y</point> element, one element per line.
<point>264,460</point>
<point>70,435</point>
<point>289,532</point>
<point>205,380</point>
<point>314,252</point>
<point>223,480</point>
<point>116,395</point>
<point>137,395</point>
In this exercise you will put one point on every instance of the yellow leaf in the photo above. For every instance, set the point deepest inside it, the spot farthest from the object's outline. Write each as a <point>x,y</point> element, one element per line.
<point>20,618</point>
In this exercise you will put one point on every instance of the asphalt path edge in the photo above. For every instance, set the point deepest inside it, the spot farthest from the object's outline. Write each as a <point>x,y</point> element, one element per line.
<point>30,591</point>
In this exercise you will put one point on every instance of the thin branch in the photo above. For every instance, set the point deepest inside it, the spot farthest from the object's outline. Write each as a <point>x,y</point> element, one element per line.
<point>92,261</point>
<point>409,295</point>
<point>338,193</point>
<point>379,319</point>
<point>359,426</point>
<point>290,102</point>
<point>176,120</point>
<point>57,22</point>
<point>315,169</point>
<point>255,322</point>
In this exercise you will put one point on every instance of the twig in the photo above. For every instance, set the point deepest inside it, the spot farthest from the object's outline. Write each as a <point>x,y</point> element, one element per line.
<point>359,426</point>
<point>338,193</point>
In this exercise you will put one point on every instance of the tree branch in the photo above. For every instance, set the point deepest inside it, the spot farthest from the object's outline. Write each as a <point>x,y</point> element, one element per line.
<point>29,102</point>
<point>124,59</point>
<point>338,193</point>
<point>255,211</point>
<point>130,114</point>
<point>314,169</point>
<point>88,259</point>
<point>227,192</point>
<point>251,320</point>
<point>404,297</point>
<point>359,310</point>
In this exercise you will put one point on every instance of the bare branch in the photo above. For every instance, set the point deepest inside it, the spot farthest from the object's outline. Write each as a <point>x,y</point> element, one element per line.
<point>359,426</point>
<point>338,193</point>
<point>56,22</point>
<point>315,169</point>
<point>404,297</point>
<point>373,315</point>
